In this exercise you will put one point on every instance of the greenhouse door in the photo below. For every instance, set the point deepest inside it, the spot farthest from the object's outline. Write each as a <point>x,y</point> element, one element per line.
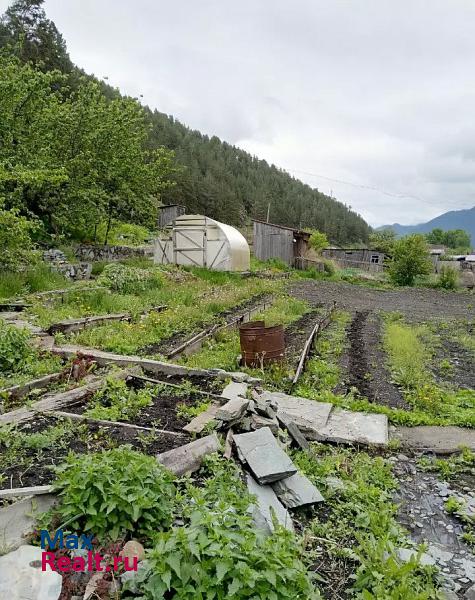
<point>189,246</point>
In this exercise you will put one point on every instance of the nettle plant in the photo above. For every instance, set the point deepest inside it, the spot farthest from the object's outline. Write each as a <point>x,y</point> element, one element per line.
<point>219,553</point>
<point>115,491</point>
<point>16,353</point>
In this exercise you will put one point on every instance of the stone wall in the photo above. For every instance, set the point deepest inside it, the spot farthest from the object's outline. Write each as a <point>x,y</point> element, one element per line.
<point>110,253</point>
<point>58,262</point>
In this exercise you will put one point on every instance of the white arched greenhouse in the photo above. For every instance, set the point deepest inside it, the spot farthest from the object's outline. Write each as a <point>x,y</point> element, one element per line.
<point>196,240</point>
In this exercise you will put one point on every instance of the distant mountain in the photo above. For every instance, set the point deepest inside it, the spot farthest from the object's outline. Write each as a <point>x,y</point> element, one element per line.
<point>455,219</point>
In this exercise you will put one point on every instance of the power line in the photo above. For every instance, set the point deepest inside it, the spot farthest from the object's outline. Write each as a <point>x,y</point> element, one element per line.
<point>368,187</point>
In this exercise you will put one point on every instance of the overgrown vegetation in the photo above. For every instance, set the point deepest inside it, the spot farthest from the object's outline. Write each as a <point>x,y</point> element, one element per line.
<point>115,491</point>
<point>410,259</point>
<point>19,360</point>
<point>354,545</point>
<point>115,401</point>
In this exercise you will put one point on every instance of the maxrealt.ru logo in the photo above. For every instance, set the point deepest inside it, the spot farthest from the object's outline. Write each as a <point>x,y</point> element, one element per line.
<point>89,561</point>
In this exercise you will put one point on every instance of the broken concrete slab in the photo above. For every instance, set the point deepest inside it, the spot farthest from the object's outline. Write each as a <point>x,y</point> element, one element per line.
<point>267,505</point>
<point>257,422</point>
<point>20,391</point>
<point>232,410</point>
<point>188,458</point>
<point>17,520</point>
<point>296,491</point>
<point>72,325</point>
<point>21,576</point>
<point>293,431</point>
<point>345,426</point>
<point>235,389</point>
<point>407,554</point>
<point>440,440</point>
<point>310,416</point>
<point>197,424</point>
<point>266,459</point>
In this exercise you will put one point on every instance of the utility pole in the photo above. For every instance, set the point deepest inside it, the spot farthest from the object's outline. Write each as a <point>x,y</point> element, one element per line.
<point>268,212</point>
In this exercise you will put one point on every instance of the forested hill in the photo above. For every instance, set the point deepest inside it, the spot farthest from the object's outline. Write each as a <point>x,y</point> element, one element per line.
<point>213,177</point>
<point>228,183</point>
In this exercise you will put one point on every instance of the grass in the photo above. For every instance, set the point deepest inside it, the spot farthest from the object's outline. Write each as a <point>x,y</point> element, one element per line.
<point>353,543</point>
<point>222,352</point>
<point>409,359</point>
<point>37,278</point>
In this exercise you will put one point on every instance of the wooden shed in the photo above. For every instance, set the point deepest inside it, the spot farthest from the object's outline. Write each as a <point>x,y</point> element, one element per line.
<point>168,213</point>
<point>277,241</point>
<point>357,258</point>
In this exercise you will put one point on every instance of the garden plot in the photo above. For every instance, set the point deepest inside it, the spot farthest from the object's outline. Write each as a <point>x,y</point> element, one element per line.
<point>159,406</point>
<point>29,452</point>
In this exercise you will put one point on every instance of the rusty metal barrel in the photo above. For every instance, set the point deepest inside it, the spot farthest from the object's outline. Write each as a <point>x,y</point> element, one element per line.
<point>261,345</point>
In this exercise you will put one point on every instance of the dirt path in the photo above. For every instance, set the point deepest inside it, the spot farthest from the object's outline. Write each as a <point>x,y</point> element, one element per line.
<point>414,303</point>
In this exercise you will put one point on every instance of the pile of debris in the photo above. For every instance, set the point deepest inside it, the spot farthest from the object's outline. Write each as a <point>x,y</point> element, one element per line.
<point>260,425</point>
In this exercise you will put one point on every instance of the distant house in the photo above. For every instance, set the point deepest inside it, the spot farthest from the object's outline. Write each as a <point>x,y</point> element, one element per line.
<point>358,258</point>
<point>277,241</point>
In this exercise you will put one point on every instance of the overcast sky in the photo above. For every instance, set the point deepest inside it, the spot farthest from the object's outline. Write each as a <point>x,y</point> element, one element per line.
<point>378,93</point>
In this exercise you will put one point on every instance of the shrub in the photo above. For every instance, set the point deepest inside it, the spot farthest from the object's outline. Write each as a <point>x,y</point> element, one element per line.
<point>15,240</point>
<point>448,278</point>
<point>220,555</point>
<point>115,491</point>
<point>329,266</point>
<point>15,349</point>
<point>318,241</point>
<point>410,259</point>
<point>129,280</point>
<point>124,234</point>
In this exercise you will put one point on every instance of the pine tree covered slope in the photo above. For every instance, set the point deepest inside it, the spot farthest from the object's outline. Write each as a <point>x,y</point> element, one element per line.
<point>215,178</point>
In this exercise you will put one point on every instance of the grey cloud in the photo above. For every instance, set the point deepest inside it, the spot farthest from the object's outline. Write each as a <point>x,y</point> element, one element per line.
<point>378,93</point>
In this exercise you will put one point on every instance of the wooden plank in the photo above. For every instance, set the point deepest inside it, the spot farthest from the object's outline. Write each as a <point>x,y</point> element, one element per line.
<point>319,326</point>
<point>58,401</point>
<point>73,325</point>
<point>196,342</point>
<point>21,390</point>
<point>188,458</point>
<point>75,417</point>
<point>36,490</point>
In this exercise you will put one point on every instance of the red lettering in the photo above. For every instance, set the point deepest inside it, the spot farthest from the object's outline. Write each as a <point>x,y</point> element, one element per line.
<point>64,564</point>
<point>117,560</point>
<point>47,558</point>
<point>97,562</point>
<point>134,566</point>
<point>79,564</point>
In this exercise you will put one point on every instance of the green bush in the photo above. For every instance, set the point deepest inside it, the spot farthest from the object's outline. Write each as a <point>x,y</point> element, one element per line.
<point>329,266</point>
<point>124,234</point>
<point>318,241</point>
<point>15,349</point>
<point>15,240</point>
<point>410,260</point>
<point>129,280</point>
<point>448,278</point>
<point>115,491</point>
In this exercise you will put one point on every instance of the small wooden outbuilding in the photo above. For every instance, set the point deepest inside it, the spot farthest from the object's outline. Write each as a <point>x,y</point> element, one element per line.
<point>277,241</point>
<point>357,258</point>
<point>168,213</point>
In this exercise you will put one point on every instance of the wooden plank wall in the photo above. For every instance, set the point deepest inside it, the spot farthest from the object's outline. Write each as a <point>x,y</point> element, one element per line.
<point>273,242</point>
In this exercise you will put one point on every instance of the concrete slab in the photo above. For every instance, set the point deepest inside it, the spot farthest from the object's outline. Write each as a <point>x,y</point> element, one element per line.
<point>188,458</point>
<point>235,390</point>
<point>266,459</point>
<point>233,409</point>
<point>267,505</point>
<point>440,440</point>
<point>354,427</point>
<point>296,491</point>
<point>197,424</point>
<point>309,416</point>
<point>17,520</point>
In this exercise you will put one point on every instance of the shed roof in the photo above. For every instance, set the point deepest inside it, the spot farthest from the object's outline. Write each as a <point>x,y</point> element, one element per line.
<point>296,230</point>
